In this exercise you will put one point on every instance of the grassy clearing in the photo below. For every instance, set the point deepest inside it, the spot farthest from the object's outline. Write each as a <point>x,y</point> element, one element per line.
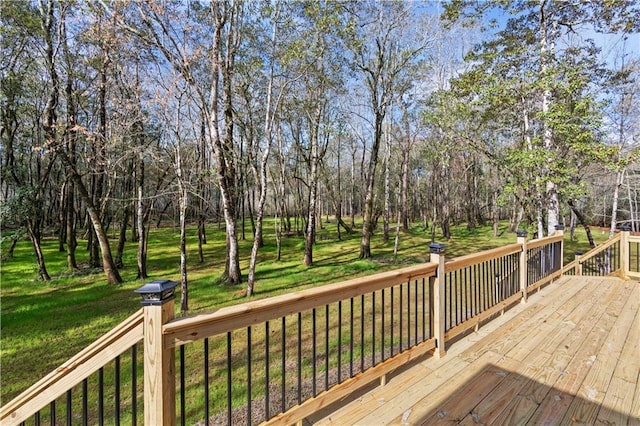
<point>43,324</point>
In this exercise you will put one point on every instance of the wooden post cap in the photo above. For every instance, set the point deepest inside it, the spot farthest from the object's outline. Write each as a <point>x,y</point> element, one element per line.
<point>157,292</point>
<point>437,248</point>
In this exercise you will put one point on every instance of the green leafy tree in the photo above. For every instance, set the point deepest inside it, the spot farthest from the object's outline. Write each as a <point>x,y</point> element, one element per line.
<point>531,92</point>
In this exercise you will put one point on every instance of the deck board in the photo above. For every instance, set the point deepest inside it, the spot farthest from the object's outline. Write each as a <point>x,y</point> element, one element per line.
<point>571,354</point>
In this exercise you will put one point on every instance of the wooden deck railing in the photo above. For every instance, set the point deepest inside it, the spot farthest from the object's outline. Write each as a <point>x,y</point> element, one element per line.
<point>279,359</point>
<point>87,367</point>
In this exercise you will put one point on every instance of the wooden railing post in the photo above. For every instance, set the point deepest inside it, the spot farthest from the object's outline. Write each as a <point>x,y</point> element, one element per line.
<point>522,240</point>
<point>578,262</point>
<point>159,363</point>
<point>437,256</point>
<point>625,267</point>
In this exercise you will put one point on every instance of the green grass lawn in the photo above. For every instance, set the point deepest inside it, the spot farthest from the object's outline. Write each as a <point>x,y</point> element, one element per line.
<point>45,323</point>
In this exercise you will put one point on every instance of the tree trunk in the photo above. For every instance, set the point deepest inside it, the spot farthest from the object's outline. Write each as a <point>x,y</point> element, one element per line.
<point>387,201</point>
<point>614,207</point>
<point>202,190</point>
<point>397,239</point>
<point>113,277</point>
<point>367,225</point>
<point>582,222</point>
<point>141,255</point>
<point>310,235</point>
<point>261,177</point>
<point>633,208</point>
<point>352,198</point>
<point>70,224</point>
<point>257,239</point>
<point>222,67</point>
<point>122,239</point>
<point>547,50</point>
<point>494,214</point>
<point>184,199</point>
<point>404,172</point>
<point>34,234</point>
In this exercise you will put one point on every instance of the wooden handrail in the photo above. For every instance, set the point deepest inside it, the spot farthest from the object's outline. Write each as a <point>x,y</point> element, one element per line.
<point>569,266</point>
<point>184,330</point>
<point>76,369</point>
<point>470,259</point>
<point>544,241</point>
<point>600,248</point>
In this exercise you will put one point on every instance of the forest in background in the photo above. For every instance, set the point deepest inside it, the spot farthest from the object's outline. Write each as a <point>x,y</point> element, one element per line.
<point>116,116</point>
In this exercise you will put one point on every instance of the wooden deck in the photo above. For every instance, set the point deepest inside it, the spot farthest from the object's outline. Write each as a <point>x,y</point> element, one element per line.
<point>571,355</point>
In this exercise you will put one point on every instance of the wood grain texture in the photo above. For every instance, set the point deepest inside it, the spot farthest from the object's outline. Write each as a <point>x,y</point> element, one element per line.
<point>569,355</point>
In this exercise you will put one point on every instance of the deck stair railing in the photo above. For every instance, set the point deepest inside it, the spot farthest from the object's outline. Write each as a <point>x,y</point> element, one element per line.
<point>102,383</point>
<point>280,359</point>
<point>620,255</point>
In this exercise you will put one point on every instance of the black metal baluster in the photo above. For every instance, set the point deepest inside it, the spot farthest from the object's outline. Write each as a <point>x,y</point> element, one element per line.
<point>481,292</point>
<point>36,418</point>
<point>101,396</point>
<point>431,304</point>
<point>183,391</point>
<point>509,276</point>
<point>474,289</point>
<point>85,397</point>
<point>229,389</point>
<point>471,294</point>
<point>299,357</point>
<point>496,290</point>
<point>249,363</point>
<point>267,414</point>
<point>116,402</point>
<point>408,314</point>
<point>362,333</point>
<point>458,294</point>
<point>326,347</point>
<point>449,297</point>
<point>313,348</point>
<point>69,408</point>
<point>424,314</point>
<point>350,339</point>
<point>501,267</point>
<point>52,411</point>
<point>393,300</point>
<point>283,366</point>
<point>400,321</point>
<point>485,273</point>
<point>339,341</point>
<point>373,328</point>
<point>415,311</point>
<point>464,314</point>
<point>206,380</point>
<point>516,260</point>
<point>134,385</point>
<point>383,357</point>
<point>454,297</point>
